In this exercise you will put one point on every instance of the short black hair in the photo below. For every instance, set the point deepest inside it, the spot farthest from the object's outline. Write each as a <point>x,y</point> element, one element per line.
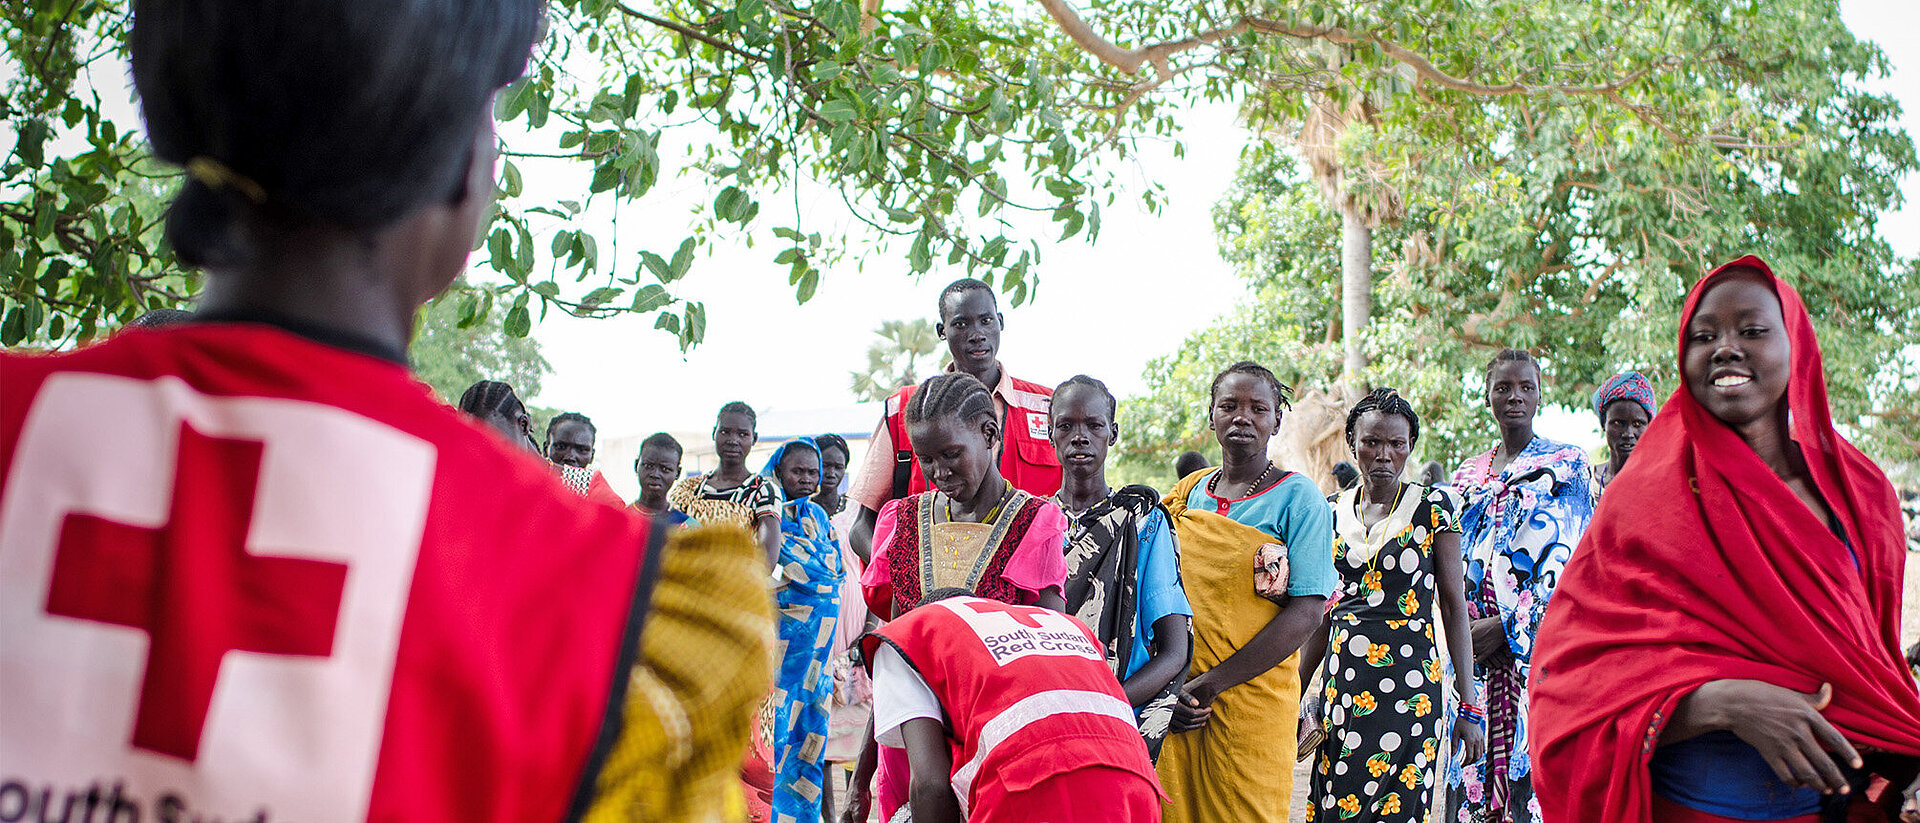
<point>1189,462</point>
<point>1345,475</point>
<point>350,113</point>
<point>571,417</point>
<point>162,317</point>
<point>1281,393</point>
<point>962,286</point>
<point>833,441</point>
<point>1513,356</point>
<point>660,440</point>
<point>1113,405</point>
<point>1385,401</point>
<point>487,398</point>
<point>738,407</point>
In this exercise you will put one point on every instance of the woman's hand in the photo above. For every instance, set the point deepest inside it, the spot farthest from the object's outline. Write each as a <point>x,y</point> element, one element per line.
<point>1910,808</point>
<point>1785,726</point>
<point>1470,739</point>
<point>1194,707</point>
<point>1490,642</point>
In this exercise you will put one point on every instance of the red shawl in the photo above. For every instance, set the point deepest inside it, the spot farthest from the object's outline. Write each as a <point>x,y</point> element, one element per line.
<point>1700,565</point>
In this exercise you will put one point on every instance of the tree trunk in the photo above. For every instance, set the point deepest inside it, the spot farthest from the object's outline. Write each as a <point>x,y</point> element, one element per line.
<point>1356,298</point>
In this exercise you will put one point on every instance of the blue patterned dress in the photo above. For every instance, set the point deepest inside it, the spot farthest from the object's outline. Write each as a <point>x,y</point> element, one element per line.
<point>1518,528</point>
<point>809,602</point>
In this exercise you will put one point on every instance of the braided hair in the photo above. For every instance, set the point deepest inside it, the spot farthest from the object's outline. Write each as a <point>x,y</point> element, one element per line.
<point>1113,405</point>
<point>571,417</point>
<point>1281,393</point>
<point>833,441</point>
<point>487,398</point>
<point>1513,356</point>
<point>1385,401</point>
<point>950,394</point>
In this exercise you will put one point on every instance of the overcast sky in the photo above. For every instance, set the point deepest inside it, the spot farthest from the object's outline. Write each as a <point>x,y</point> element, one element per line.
<point>1104,309</point>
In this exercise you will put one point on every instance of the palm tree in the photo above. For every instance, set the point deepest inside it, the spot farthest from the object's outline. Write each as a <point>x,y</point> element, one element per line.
<point>904,350</point>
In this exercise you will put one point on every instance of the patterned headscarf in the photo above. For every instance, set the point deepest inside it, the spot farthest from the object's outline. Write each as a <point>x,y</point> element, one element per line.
<point>770,471</point>
<point>1627,385</point>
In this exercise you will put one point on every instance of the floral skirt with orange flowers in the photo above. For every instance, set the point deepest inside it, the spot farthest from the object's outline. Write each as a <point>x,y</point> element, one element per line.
<point>1382,717</point>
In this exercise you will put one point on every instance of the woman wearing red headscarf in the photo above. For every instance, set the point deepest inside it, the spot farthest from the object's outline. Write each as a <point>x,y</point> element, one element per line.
<point>1725,642</point>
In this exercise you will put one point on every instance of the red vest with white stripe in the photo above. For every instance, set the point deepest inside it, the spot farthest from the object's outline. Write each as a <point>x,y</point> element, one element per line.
<point>1027,458</point>
<point>1027,692</point>
<point>245,576</point>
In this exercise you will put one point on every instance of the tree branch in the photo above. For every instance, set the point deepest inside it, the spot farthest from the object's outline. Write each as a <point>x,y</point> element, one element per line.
<point>1130,60</point>
<point>686,31</point>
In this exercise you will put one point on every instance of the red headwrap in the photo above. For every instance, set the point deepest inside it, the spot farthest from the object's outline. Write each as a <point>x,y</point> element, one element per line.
<point>1701,564</point>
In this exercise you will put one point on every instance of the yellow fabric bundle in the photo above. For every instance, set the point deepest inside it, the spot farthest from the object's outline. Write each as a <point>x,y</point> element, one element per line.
<point>1240,767</point>
<point>703,671</point>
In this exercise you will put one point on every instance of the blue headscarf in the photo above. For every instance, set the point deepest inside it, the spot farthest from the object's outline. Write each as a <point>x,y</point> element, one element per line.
<point>1627,385</point>
<point>772,469</point>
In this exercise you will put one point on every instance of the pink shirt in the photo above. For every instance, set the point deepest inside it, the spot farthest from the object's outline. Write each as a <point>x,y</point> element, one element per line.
<point>1039,561</point>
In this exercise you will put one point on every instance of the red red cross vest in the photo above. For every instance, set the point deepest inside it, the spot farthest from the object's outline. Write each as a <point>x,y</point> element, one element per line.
<point>248,577</point>
<point>1027,692</point>
<point>1027,459</point>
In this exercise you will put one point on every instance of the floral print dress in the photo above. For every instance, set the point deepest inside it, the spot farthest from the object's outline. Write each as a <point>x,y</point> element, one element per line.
<point>1518,528</point>
<point>1384,710</point>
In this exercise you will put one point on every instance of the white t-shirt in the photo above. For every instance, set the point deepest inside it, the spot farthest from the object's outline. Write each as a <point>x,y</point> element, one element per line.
<point>899,695</point>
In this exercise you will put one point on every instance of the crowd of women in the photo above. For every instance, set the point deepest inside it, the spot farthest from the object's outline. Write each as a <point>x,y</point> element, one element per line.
<point>430,627</point>
<point>1388,634</point>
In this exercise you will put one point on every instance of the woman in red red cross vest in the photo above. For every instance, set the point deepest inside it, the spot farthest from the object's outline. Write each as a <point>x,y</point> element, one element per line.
<point>974,531</point>
<point>252,569</point>
<point>1008,713</point>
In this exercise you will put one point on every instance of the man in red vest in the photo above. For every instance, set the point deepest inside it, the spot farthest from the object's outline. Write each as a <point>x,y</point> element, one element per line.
<point>1008,713</point>
<point>251,569</point>
<point>970,322</point>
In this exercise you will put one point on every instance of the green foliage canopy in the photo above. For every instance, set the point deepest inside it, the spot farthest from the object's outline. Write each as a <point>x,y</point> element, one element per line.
<point>450,357</point>
<point>933,121</point>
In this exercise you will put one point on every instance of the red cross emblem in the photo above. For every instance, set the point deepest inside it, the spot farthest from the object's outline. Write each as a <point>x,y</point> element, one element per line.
<point>1028,616</point>
<point>194,589</point>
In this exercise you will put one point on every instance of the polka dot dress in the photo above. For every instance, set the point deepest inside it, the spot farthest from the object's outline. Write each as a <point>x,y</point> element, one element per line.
<point>1382,714</point>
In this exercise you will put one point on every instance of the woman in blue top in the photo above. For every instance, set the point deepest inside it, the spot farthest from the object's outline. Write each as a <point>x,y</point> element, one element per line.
<point>1123,566</point>
<point>1231,754</point>
<point>809,575</point>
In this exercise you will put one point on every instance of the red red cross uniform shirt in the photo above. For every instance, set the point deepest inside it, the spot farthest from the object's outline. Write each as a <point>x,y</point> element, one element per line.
<point>1029,699</point>
<point>1027,458</point>
<point>247,576</point>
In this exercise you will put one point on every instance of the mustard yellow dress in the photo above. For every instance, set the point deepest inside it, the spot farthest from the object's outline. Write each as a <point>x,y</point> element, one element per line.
<point>1239,767</point>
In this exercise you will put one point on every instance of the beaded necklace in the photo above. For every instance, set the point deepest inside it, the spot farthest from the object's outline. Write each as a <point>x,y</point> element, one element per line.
<point>1214,481</point>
